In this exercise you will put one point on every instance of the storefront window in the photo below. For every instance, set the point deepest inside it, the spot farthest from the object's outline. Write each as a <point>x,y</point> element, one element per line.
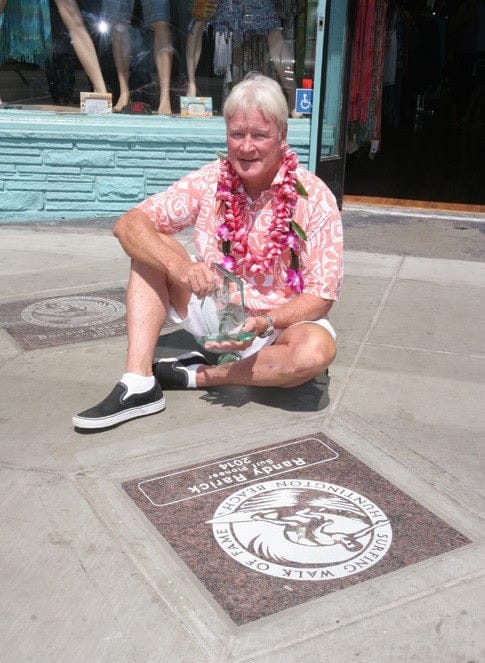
<point>51,50</point>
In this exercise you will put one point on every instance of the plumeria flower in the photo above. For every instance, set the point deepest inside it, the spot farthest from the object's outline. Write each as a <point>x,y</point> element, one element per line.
<point>223,232</point>
<point>293,241</point>
<point>294,279</point>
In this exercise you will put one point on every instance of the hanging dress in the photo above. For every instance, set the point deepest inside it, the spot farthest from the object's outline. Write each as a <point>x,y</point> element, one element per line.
<point>25,32</point>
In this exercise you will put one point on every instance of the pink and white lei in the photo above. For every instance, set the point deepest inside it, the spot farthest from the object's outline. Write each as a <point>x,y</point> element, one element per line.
<point>284,233</point>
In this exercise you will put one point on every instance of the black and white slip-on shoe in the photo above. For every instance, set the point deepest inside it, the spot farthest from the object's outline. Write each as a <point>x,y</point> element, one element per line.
<point>117,407</point>
<point>172,373</point>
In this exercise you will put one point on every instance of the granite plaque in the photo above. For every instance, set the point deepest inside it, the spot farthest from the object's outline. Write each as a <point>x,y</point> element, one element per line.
<point>287,523</point>
<point>53,321</point>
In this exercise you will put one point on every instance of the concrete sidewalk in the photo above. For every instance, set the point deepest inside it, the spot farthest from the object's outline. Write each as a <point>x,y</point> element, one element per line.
<point>86,577</point>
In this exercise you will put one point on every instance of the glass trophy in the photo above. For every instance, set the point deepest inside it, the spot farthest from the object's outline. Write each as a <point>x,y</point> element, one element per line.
<point>222,313</point>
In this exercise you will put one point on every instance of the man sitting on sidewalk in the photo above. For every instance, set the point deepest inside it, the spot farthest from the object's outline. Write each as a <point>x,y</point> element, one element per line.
<point>263,217</point>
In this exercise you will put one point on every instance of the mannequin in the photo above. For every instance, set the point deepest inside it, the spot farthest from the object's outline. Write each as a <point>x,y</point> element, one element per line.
<point>283,60</point>
<point>245,19</point>
<point>193,52</point>
<point>82,42</point>
<point>202,11</point>
<point>158,18</point>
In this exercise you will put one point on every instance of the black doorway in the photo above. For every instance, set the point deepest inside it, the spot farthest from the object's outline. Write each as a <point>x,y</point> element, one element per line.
<point>432,135</point>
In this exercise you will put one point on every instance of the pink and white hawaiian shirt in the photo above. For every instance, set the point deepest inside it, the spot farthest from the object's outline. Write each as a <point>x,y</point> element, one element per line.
<point>192,202</point>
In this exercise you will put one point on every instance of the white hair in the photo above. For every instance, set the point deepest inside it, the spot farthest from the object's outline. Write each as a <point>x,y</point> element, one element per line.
<point>260,92</point>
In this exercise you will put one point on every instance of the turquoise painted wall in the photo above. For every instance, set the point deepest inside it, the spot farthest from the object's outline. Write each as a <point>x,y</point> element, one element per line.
<point>68,165</point>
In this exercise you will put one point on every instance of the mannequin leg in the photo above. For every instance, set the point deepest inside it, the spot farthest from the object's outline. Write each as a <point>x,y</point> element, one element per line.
<point>163,54</point>
<point>193,52</point>
<point>82,42</point>
<point>122,55</point>
<point>284,64</point>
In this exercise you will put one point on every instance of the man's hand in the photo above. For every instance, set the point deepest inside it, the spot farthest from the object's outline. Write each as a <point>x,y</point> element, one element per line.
<point>198,278</point>
<point>255,325</point>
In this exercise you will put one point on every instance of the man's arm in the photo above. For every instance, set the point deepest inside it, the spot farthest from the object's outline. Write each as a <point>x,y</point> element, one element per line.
<point>143,243</point>
<point>301,308</point>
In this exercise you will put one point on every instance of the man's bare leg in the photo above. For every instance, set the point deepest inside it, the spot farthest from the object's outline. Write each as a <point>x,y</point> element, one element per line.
<point>146,311</point>
<point>148,298</point>
<point>299,354</point>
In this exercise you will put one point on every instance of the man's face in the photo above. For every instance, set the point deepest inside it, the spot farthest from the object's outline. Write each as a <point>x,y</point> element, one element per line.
<point>255,149</point>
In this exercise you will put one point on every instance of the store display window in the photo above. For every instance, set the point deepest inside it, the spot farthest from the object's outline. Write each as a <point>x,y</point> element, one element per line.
<point>151,56</point>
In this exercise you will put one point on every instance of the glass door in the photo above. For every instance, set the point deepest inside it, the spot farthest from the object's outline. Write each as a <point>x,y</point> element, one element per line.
<point>333,21</point>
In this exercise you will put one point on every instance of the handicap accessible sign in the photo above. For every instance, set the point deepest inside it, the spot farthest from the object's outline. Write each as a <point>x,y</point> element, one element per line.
<point>304,100</point>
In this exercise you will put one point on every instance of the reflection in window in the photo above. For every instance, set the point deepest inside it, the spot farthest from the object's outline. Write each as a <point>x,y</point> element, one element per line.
<point>147,52</point>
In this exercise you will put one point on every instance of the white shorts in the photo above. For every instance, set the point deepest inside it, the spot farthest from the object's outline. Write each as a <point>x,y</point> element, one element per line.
<point>195,325</point>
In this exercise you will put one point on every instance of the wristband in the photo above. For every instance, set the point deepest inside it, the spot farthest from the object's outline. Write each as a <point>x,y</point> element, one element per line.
<point>269,325</point>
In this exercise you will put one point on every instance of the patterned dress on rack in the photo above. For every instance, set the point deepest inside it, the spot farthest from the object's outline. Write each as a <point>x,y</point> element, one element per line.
<point>245,18</point>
